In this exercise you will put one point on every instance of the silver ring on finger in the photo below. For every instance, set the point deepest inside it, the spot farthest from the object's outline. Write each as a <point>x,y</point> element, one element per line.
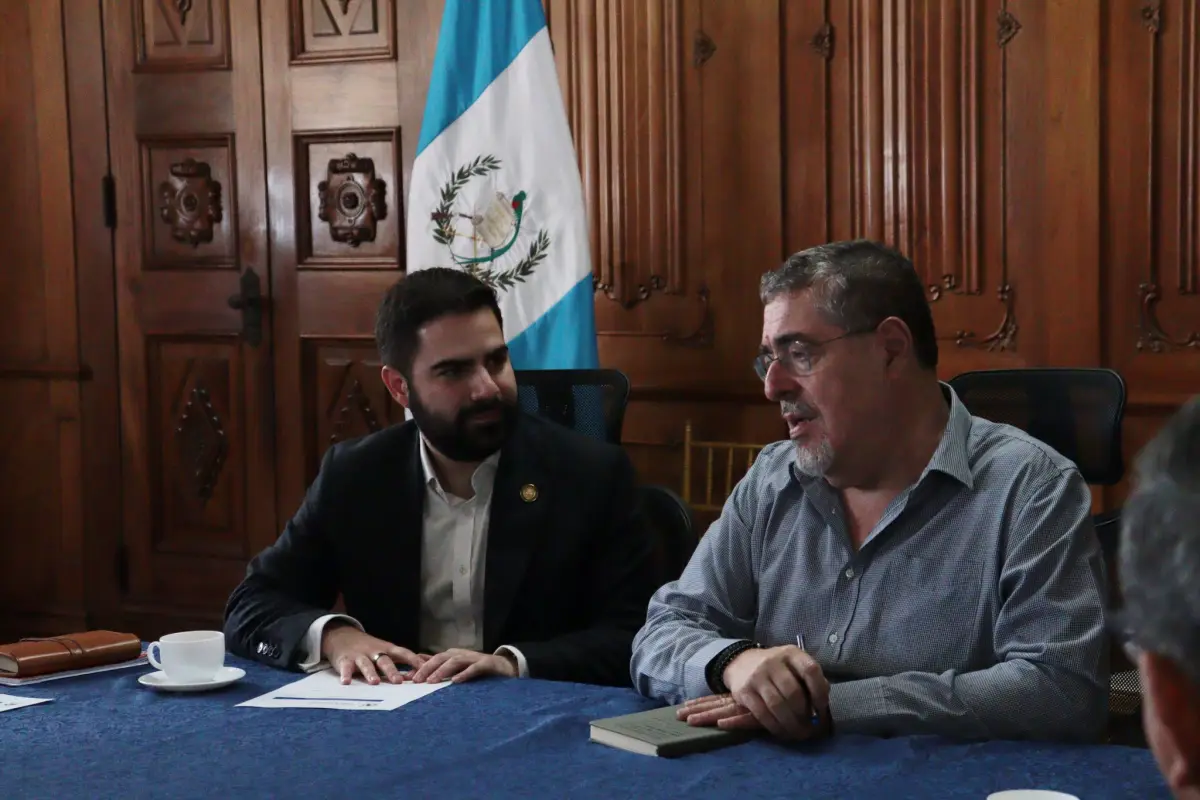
<point>375,658</point>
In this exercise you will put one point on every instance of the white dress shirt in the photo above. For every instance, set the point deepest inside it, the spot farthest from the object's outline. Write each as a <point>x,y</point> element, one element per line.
<point>453,555</point>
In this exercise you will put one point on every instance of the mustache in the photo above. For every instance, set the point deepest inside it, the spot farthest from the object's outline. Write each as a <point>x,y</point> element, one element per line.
<point>802,409</point>
<point>483,407</point>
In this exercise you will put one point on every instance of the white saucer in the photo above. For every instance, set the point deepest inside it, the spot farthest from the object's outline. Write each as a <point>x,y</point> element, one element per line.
<point>224,677</point>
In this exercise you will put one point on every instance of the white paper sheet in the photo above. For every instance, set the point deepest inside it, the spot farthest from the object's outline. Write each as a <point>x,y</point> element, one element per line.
<point>325,690</point>
<point>8,702</point>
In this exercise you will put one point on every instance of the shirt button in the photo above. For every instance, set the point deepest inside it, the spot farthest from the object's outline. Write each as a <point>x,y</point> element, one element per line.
<point>833,638</point>
<point>462,570</point>
<point>849,572</point>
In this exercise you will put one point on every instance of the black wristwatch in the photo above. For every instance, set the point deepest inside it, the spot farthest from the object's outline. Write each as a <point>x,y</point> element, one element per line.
<point>714,673</point>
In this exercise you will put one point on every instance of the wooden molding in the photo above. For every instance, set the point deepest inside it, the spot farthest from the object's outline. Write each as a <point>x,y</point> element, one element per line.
<point>1152,336</point>
<point>703,48</point>
<point>623,85</point>
<point>822,41</point>
<point>49,372</point>
<point>1151,14</point>
<point>1005,334</point>
<point>1007,27</point>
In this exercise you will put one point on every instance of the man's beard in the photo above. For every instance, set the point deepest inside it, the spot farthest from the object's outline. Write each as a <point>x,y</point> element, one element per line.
<point>812,460</point>
<point>458,439</point>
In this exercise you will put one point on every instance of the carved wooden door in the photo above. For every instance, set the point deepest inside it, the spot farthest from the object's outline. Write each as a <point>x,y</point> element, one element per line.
<point>344,87</point>
<point>186,137</point>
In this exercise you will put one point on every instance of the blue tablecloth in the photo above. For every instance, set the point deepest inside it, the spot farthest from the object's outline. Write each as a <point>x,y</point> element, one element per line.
<point>106,736</point>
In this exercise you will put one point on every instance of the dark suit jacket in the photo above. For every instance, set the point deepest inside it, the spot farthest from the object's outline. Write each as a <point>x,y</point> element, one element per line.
<point>567,577</point>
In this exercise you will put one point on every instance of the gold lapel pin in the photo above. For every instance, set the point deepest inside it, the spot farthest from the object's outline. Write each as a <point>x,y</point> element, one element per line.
<point>529,493</point>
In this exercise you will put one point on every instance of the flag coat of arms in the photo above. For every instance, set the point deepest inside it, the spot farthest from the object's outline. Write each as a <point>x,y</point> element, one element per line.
<point>495,188</point>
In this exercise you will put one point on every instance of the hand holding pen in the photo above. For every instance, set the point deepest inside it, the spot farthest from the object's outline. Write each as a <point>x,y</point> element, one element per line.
<point>814,716</point>
<point>767,688</point>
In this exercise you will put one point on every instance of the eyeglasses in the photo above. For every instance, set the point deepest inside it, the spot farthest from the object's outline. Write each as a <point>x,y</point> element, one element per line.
<point>799,356</point>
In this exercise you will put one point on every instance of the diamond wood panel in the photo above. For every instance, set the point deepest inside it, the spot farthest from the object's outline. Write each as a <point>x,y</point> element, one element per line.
<point>198,445</point>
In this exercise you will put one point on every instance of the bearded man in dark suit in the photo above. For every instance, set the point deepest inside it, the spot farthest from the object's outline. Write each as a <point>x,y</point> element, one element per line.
<point>471,540</point>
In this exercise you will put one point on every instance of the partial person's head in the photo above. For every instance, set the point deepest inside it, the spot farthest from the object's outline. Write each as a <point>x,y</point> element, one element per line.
<point>1160,581</point>
<point>847,338</point>
<point>441,339</point>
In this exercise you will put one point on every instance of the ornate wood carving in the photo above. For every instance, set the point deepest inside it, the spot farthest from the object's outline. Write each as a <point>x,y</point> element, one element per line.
<point>355,413</point>
<point>202,441</point>
<point>190,202</point>
<point>344,393</point>
<point>183,7</point>
<point>342,30</point>
<point>347,216</point>
<point>189,197</point>
<point>352,200</point>
<point>1152,16</point>
<point>822,41</point>
<point>197,441</point>
<point>182,35</point>
<point>701,335</point>
<point>1152,335</point>
<point>703,48</point>
<point>1007,27</point>
<point>1005,335</point>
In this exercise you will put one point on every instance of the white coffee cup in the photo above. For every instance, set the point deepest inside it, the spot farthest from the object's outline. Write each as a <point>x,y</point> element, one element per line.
<point>1031,794</point>
<point>190,656</point>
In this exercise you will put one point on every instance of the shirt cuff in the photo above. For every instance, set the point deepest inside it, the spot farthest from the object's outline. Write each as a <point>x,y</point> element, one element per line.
<point>695,682</point>
<point>312,642</point>
<point>858,703</point>
<point>522,664</point>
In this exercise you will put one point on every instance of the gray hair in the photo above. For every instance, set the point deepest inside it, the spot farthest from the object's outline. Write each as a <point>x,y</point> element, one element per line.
<point>857,285</point>
<point>1160,544</point>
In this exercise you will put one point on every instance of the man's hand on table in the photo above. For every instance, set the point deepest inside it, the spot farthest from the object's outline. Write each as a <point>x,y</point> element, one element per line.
<point>350,651</point>
<point>769,688</point>
<point>463,665</point>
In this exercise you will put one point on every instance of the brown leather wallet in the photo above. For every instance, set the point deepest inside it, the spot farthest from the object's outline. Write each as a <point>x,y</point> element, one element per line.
<point>30,657</point>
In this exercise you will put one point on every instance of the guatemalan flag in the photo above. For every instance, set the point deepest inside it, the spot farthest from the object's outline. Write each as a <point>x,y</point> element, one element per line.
<point>495,187</point>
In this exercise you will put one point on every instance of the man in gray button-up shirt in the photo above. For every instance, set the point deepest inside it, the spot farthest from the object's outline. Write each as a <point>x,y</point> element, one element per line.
<point>941,570</point>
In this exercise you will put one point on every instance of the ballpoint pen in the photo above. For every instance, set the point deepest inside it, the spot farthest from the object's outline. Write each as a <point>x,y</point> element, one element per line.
<point>815,718</point>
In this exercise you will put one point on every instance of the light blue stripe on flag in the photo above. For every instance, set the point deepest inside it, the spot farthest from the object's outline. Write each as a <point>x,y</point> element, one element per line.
<point>478,40</point>
<point>562,338</point>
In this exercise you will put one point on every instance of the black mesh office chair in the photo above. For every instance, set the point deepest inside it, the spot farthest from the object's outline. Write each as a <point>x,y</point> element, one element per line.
<point>590,401</point>
<point>1078,412</point>
<point>672,529</point>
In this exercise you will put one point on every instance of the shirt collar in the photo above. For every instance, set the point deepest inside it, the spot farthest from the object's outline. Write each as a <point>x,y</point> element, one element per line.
<point>485,470</point>
<point>951,456</point>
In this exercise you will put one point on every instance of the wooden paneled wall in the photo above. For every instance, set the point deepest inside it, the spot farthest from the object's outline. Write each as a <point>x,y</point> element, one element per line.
<point>58,399</point>
<point>1038,159</point>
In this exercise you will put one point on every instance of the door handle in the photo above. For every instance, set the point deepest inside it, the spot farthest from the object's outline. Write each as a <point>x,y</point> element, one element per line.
<point>251,303</point>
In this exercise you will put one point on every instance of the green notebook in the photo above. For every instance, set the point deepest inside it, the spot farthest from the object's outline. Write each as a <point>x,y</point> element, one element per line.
<point>659,733</point>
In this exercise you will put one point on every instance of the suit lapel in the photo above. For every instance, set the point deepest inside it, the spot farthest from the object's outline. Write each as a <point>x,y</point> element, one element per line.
<point>400,530</point>
<point>521,500</point>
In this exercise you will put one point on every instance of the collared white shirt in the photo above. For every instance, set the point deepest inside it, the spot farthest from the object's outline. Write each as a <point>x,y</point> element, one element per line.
<point>453,554</point>
<point>453,557</point>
